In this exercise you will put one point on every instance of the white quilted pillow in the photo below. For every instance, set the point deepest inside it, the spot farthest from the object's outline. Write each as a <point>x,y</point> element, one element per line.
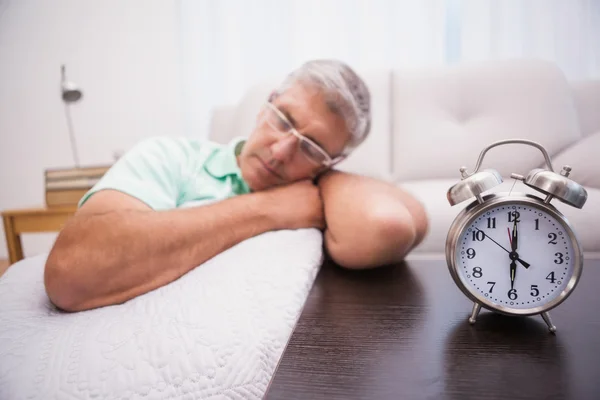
<point>217,332</point>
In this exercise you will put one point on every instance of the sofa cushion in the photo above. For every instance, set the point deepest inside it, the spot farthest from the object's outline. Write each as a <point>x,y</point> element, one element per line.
<point>371,158</point>
<point>219,129</point>
<point>586,94</point>
<point>443,118</point>
<point>432,193</point>
<point>582,157</point>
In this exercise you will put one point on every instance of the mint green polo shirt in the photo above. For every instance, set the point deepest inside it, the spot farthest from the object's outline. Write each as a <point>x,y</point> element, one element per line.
<point>167,172</point>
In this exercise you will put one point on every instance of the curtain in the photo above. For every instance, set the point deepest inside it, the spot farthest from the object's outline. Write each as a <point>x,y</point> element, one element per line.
<point>229,45</point>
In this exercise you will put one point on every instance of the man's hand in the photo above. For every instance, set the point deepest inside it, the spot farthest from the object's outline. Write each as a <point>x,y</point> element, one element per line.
<point>297,205</point>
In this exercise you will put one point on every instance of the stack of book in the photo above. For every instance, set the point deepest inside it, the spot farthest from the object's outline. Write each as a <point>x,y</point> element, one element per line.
<point>65,187</point>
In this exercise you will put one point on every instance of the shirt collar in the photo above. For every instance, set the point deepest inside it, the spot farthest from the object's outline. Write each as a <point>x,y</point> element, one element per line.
<point>223,162</point>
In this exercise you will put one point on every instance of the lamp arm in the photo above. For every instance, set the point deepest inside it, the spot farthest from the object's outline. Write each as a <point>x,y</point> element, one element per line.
<point>72,136</point>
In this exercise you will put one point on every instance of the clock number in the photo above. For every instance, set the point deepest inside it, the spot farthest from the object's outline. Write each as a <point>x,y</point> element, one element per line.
<point>551,277</point>
<point>514,215</point>
<point>471,253</point>
<point>477,272</point>
<point>512,294</point>
<point>478,236</point>
<point>552,237</point>
<point>535,291</point>
<point>537,224</point>
<point>560,259</point>
<point>491,287</point>
<point>491,222</point>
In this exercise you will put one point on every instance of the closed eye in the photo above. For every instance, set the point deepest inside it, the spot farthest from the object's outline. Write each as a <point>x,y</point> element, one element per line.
<point>311,151</point>
<point>283,125</point>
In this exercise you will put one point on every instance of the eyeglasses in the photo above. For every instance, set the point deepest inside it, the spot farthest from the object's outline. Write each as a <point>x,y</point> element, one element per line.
<point>315,153</point>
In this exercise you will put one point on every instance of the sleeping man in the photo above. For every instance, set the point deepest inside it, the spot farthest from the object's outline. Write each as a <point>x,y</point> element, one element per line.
<point>137,229</point>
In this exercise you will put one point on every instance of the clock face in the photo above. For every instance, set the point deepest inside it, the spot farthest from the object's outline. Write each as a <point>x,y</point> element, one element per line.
<point>515,257</point>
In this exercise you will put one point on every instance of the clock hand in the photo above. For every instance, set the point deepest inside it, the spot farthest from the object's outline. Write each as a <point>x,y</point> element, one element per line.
<point>513,272</point>
<point>486,235</point>
<point>513,264</point>
<point>523,263</point>
<point>515,236</point>
<point>514,242</point>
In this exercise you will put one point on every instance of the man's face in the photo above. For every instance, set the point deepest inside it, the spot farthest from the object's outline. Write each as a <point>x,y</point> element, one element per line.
<point>270,158</point>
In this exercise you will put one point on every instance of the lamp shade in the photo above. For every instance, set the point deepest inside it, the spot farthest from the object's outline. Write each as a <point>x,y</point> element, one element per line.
<point>70,92</point>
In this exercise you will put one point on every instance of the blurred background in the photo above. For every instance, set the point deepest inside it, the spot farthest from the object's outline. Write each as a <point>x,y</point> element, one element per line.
<point>158,67</point>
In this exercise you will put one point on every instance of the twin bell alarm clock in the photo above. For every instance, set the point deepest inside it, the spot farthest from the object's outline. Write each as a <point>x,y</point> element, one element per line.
<point>515,253</point>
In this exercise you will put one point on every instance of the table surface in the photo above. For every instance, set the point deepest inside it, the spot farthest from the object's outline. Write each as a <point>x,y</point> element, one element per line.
<point>402,332</point>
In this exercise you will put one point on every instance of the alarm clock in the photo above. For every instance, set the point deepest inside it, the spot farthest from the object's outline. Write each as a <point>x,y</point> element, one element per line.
<point>515,253</point>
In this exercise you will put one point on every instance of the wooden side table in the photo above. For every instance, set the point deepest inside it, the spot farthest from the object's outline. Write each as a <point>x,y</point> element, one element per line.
<point>401,332</point>
<point>32,220</point>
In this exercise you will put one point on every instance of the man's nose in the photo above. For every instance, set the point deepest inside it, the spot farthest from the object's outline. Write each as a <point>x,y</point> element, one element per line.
<point>284,149</point>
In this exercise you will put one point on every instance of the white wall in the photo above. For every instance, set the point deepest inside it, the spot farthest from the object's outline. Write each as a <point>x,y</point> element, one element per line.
<point>123,54</point>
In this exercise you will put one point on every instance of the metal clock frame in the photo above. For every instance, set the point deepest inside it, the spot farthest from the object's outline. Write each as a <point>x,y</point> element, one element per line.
<point>472,212</point>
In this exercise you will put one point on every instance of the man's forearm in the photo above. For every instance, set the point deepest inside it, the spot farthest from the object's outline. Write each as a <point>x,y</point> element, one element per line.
<point>92,264</point>
<point>369,222</point>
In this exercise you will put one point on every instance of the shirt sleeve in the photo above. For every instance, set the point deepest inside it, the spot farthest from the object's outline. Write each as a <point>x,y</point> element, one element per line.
<point>150,172</point>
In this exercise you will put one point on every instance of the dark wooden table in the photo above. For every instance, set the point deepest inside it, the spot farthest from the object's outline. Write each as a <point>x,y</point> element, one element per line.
<point>401,332</point>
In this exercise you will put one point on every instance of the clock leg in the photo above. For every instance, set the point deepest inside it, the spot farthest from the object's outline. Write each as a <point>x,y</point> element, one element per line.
<point>548,322</point>
<point>476,309</point>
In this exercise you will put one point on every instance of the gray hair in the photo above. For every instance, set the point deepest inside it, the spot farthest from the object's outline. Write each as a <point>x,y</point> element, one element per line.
<point>345,92</point>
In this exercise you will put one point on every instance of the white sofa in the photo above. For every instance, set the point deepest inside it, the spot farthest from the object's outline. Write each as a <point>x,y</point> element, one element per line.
<point>429,123</point>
